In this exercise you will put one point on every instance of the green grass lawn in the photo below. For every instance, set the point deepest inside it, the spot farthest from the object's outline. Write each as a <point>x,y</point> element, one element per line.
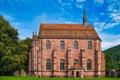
<point>34,78</point>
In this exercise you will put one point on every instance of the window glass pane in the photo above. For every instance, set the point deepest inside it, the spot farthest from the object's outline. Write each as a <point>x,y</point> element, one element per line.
<point>62,64</point>
<point>89,65</point>
<point>48,45</point>
<point>75,45</point>
<point>89,45</point>
<point>48,64</point>
<point>62,44</point>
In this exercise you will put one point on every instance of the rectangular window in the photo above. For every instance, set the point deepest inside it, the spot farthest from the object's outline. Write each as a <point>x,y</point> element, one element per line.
<point>62,45</point>
<point>48,45</point>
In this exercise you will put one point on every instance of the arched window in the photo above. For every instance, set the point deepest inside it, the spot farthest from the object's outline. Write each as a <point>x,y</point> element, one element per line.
<point>75,61</point>
<point>89,45</point>
<point>62,45</point>
<point>62,64</point>
<point>75,45</point>
<point>48,64</point>
<point>48,45</point>
<point>89,65</point>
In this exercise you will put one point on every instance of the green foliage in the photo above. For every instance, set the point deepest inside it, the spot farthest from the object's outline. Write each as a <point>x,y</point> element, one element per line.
<point>113,57</point>
<point>8,42</point>
<point>23,50</point>
<point>110,64</point>
<point>13,52</point>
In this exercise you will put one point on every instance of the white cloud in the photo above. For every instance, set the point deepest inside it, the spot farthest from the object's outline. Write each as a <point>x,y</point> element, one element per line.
<point>16,24</point>
<point>15,2</point>
<point>23,32</point>
<point>12,20</point>
<point>18,0</point>
<point>109,40</point>
<point>110,25</point>
<point>99,24</point>
<point>99,1</point>
<point>79,3</point>
<point>59,1</point>
<point>115,17</point>
<point>114,10</point>
<point>79,6</point>
<point>102,25</point>
<point>69,22</point>
<point>41,18</point>
<point>114,6</point>
<point>65,2</point>
<point>8,17</point>
<point>106,45</point>
<point>70,2</point>
<point>111,8</point>
<point>80,0</point>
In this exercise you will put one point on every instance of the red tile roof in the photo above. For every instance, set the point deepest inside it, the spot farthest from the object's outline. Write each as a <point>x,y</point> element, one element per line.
<point>66,31</point>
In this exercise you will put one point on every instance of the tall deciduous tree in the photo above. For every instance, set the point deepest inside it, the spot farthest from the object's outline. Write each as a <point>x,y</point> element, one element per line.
<point>23,50</point>
<point>8,43</point>
<point>13,52</point>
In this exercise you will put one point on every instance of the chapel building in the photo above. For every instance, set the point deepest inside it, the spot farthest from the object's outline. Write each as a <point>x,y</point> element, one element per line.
<point>66,50</point>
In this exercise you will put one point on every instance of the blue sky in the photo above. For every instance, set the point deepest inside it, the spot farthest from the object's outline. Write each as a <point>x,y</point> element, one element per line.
<point>27,15</point>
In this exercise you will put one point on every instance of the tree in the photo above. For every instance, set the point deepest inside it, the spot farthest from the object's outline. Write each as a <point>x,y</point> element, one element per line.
<point>110,63</point>
<point>13,52</point>
<point>23,50</point>
<point>8,43</point>
<point>112,57</point>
